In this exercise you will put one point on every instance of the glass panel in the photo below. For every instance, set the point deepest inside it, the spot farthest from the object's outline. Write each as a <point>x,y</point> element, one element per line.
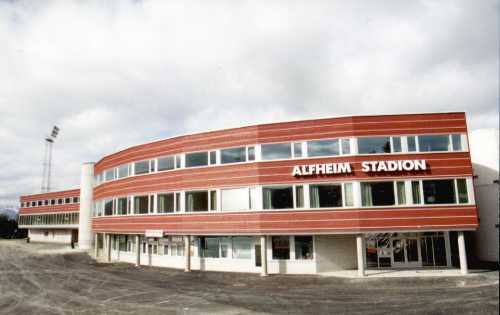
<point>325,196</point>
<point>323,147</point>
<point>108,207</point>
<point>166,163</point>
<point>209,247</point>
<point>177,202</point>
<point>281,247</point>
<point>439,251</point>
<point>415,190</point>
<point>377,194</point>
<point>430,143</point>
<point>412,250</point>
<point>462,191</point>
<point>141,205</point>
<point>242,247</point>
<point>196,159</point>
<point>398,251</point>
<point>457,142</point>
<point>141,167</point>
<point>110,174</point>
<point>439,191</point>
<point>349,198</point>
<point>427,251</point>
<point>213,157</point>
<point>213,200</point>
<point>165,203</point>
<point>235,199</point>
<point>374,145</point>
<point>121,207</point>
<point>178,160</point>
<point>299,196</point>
<point>276,151</point>
<point>251,153</point>
<point>197,201</point>
<point>297,149</point>
<point>233,155</point>
<point>412,146</point>
<point>346,146</point>
<point>304,247</point>
<point>396,144</point>
<point>278,197</point>
<point>401,193</point>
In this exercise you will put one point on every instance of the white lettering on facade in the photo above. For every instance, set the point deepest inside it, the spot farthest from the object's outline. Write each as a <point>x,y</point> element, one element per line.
<point>366,166</point>
<point>320,169</point>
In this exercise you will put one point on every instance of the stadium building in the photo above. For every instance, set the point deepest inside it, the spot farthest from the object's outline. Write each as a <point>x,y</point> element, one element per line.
<point>302,197</point>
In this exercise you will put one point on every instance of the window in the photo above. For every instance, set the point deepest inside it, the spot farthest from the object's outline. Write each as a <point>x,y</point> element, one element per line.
<point>396,144</point>
<point>323,147</point>
<point>325,196</point>
<point>141,204</point>
<point>401,192</point>
<point>177,202</point>
<point>53,201</point>
<point>46,202</point>
<point>213,157</point>
<point>66,201</point>
<point>281,247</point>
<point>439,191</point>
<point>178,161</point>
<point>242,247</point>
<point>141,167</point>
<point>233,155</point>
<point>213,200</point>
<point>121,206</point>
<point>348,195</point>
<point>431,143</point>
<point>165,203</point>
<point>123,171</point>
<point>457,142</point>
<point>276,151</point>
<point>377,194</point>
<point>415,192</point>
<point>197,201</point>
<point>209,247</point>
<point>346,146</point>
<point>152,164</point>
<point>304,247</point>
<point>60,201</point>
<point>40,203</point>
<point>75,200</point>
<point>299,197</point>
<point>166,163</point>
<point>374,145</point>
<point>196,159</point>
<point>109,174</point>
<point>108,207</point>
<point>251,153</point>
<point>462,191</point>
<point>297,150</point>
<point>236,199</point>
<point>412,144</point>
<point>278,197</point>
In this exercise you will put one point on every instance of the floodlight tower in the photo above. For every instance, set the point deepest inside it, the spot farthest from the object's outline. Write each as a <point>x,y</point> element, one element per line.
<point>47,160</point>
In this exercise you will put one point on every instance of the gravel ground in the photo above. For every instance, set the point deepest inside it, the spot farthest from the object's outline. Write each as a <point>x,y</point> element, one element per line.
<point>71,283</point>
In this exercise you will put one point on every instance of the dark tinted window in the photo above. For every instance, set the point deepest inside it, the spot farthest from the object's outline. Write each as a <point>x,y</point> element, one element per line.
<point>141,167</point>
<point>439,191</point>
<point>141,204</point>
<point>278,197</point>
<point>196,159</point>
<point>374,145</point>
<point>233,155</point>
<point>281,247</point>
<point>276,151</point>
<point>197,201</point>
<point>166,163</point>
<point>165,203</point>
<point>322,196</point>
<point>377,194</point>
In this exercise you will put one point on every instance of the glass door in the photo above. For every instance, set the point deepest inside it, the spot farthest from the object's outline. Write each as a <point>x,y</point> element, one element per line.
<point>258,258</point>
<point>398,252</point>
<point>405,252</point>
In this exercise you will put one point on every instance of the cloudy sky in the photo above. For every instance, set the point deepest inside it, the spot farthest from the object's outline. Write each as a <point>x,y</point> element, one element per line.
<point>113,74</point>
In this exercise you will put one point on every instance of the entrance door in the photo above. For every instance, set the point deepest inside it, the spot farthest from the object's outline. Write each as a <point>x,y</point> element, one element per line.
<point>258,257</point>
<point>405,252</point>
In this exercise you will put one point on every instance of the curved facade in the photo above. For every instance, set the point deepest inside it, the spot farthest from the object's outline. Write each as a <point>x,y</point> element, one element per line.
<point>294,197</point>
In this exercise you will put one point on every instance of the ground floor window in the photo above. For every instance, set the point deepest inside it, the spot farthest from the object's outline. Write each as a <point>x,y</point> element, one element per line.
<point>242,247</point>
<point>304,247</point>
<point>281,247</point>
<point>213,247</point>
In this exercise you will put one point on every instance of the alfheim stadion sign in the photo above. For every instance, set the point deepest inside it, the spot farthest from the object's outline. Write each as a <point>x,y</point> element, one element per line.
<point>366,166</point>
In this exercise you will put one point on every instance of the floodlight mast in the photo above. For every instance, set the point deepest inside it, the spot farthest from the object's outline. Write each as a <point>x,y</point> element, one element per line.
<point>47,160</point>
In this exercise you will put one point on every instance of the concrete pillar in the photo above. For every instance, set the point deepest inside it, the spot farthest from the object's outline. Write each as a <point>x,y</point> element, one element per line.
<point>461,253</point>
<point>96,243</point>
<point>137,251</point>
<point>86,200</point>
<point>187,252</point>
<point>263,255</point>
<point>108,248</point>
<point>360,249</point>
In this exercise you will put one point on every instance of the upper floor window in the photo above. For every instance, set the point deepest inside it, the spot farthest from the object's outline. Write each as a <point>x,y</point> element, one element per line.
<point>141,204</point>
<point>370,145</point>
<point>141,167</point>
<point>123,171</point>
<point>346,146</point>
<point>108,207</point>
<point>165,203</point>
<point>251,153</point>
<point>325,195</point>
<point>233,155</point>
<point>109,174</point>
<point>282,197</point>
<point>166,163</point>
<point>429,143</point>
<point>122,206</point>
<point>196,201</point>
<point>442,191</point>
<point>297,150</point>
<point>276,151</point>
<point>235,199</point>
<point>323,147</point>
<point>377,194</point>
<point>196,159</point>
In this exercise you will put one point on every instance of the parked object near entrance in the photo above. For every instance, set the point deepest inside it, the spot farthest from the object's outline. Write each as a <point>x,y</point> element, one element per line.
<point>334,194</point>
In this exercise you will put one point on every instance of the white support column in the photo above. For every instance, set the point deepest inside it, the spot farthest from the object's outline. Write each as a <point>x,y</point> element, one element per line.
<point>263,256</point>
<point>108,248</point>
<point>356,194</point>
<point>137,251</point>
<point>96,242</point>
<point>360,249</point>
<point>462,254</point>
<point>86,200</point>
<point>447,248</point>
<point>187,252</point>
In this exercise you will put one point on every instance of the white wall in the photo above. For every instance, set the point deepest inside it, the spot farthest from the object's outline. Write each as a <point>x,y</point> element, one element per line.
<point>335,252</point>
<point>54,236</point>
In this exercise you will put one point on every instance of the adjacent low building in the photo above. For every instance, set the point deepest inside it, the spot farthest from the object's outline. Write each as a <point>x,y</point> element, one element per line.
<point>304,197</point>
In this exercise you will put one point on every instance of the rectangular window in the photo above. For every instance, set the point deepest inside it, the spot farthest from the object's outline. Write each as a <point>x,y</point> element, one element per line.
<point>304,247</point>
<point>166,163</point>
<point>196,201</point>
<point>233,155</point>
<point>373,145</point>
<point>457,142</point>
<point>165,203</point>
<point>396,144</point>
<point>141,167</point>
<point>177,202</point>
<point>251,153</point>
<point>213,200</point>
<point>323,148</point>
<point>213,157</point>
<point>123,171</point>
<point>325,196</point>
<point>75,200</point>
<point>109,174</point>
<point>178,160</point>
<point>235,199</point>
<point>66,201</point>
<point>209,247</point>
<point>401,192</point>
<point>439,191</point>
<point>276,151</point>
<point>121,206</point>
<point>412,144</point>
<point>462,191</point>
<point>108,207</point>
<point>278,197</point>
<point>297,149</point>
<point>415,192</point>
<point>152,166</point>
<point>242,247</point>
<point>281,247</point>
<point>53,201</point>
<point>196,159</point>
<point>299,196</point>
<point>430,143</point>
<point>348,193</point>
<point>377,194</point>
<point>346,146</point>
<point>141,204</point>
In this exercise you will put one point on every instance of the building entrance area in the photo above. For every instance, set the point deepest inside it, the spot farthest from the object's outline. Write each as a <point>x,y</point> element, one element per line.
<point>406,250</point>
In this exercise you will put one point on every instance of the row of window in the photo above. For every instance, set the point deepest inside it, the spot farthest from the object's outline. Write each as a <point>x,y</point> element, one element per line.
<point>238,247</point>
<point>324,195</point>
<point>50,202</point>
<point>49,219</point>
<point>289,150</point>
